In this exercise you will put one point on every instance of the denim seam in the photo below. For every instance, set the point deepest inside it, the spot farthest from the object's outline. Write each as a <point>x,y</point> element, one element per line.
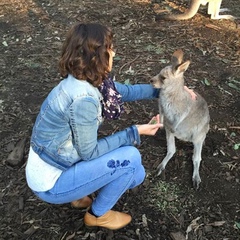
<point>126,184</point>
<point>66,193</point>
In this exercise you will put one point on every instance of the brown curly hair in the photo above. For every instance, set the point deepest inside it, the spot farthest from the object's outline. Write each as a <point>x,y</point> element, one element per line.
<point>85,53</point>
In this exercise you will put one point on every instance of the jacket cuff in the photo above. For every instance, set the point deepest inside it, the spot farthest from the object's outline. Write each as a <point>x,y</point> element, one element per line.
<point>134,135</point>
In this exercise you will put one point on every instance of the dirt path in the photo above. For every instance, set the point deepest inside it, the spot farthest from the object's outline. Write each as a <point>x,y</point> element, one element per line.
<point>32,32</point>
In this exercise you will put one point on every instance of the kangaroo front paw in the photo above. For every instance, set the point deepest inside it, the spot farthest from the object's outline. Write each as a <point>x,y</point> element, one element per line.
<point>224,10</point>
<point>229,17</point>
<point>196,183</point>
<point>161,171</point>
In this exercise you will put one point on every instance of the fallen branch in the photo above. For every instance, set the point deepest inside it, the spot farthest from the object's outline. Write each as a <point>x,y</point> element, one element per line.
<point>234,127</point>
<point>128,63</point>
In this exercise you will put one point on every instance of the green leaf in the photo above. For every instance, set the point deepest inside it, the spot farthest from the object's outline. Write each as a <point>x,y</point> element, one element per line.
<point>237,224</point>
<point>233,86</point>
<point>153,121</point>
<point>158,50</point>
<point>235,81</point>
<point>117,58</point>
<point>127,82</point>
<point>233,134</point>
<point>5,43</point>
<point>236,146</point>
<point>225,60</point>
<point>164,61</point>
<point>150,48</point>
<point>206,82</point>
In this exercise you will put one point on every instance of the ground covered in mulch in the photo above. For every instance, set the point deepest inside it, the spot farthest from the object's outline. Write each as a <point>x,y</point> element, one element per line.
<point>32,32</point>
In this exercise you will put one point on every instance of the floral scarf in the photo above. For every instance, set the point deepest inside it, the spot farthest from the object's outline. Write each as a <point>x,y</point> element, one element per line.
<point>112,105</point>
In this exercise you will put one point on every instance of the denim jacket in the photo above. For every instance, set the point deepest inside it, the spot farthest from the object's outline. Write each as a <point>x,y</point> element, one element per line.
<point>66,128</point>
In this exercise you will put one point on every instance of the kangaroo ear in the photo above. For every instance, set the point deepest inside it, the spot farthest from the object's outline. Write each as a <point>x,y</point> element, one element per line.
<point>177,58</point>
<point>182,67</point>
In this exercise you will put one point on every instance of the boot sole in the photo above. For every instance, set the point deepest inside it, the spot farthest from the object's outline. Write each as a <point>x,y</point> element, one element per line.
<point>96,227</point>
<point>91,227</point>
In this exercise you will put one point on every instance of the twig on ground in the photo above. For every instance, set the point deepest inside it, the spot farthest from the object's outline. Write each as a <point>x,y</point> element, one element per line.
<point>235,127</point>
<point>128,63</point>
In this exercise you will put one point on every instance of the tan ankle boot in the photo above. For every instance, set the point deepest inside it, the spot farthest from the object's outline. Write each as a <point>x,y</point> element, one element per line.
<point>84,202</point>
<point>112,220</point>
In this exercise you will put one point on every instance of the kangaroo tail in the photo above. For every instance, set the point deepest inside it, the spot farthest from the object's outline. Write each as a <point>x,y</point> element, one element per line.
<point>191,11</point>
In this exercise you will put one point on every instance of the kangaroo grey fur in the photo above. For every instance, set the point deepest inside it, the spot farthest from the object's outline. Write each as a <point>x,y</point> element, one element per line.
<point>213,10</point>
<point>182,117</point>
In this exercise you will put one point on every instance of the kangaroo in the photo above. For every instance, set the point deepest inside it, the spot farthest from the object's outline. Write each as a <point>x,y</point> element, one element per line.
<point>182,117</point>
<point>213,10</point>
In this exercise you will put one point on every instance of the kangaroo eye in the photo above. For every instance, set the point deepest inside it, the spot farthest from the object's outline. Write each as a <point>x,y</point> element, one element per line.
<point>162,78</point>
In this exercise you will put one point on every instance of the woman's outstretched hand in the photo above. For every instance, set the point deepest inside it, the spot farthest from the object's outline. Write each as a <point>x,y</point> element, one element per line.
<point>191,92</point>
<point>150,128</point>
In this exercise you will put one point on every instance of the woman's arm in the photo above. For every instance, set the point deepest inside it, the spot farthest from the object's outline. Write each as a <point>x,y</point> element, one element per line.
<point>142,91</point>
<point>136,92</point>
<point>84,124</point>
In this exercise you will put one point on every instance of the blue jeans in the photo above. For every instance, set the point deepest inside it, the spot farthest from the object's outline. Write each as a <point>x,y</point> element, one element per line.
<point>112,174</point>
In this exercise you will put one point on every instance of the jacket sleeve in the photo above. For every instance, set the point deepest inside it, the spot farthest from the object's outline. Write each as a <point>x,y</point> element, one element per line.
<point>84,123</point>
<point>136,92</point>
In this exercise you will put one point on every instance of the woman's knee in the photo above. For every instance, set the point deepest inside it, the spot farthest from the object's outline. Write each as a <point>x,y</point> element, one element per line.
<point>139,177</point>
<point>127,159</point>
<point>133,155</point>
<point>135,161</point>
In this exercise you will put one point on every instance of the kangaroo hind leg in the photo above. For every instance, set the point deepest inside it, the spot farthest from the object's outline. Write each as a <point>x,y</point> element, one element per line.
<point>214,8</point>
<point>197,158</point>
